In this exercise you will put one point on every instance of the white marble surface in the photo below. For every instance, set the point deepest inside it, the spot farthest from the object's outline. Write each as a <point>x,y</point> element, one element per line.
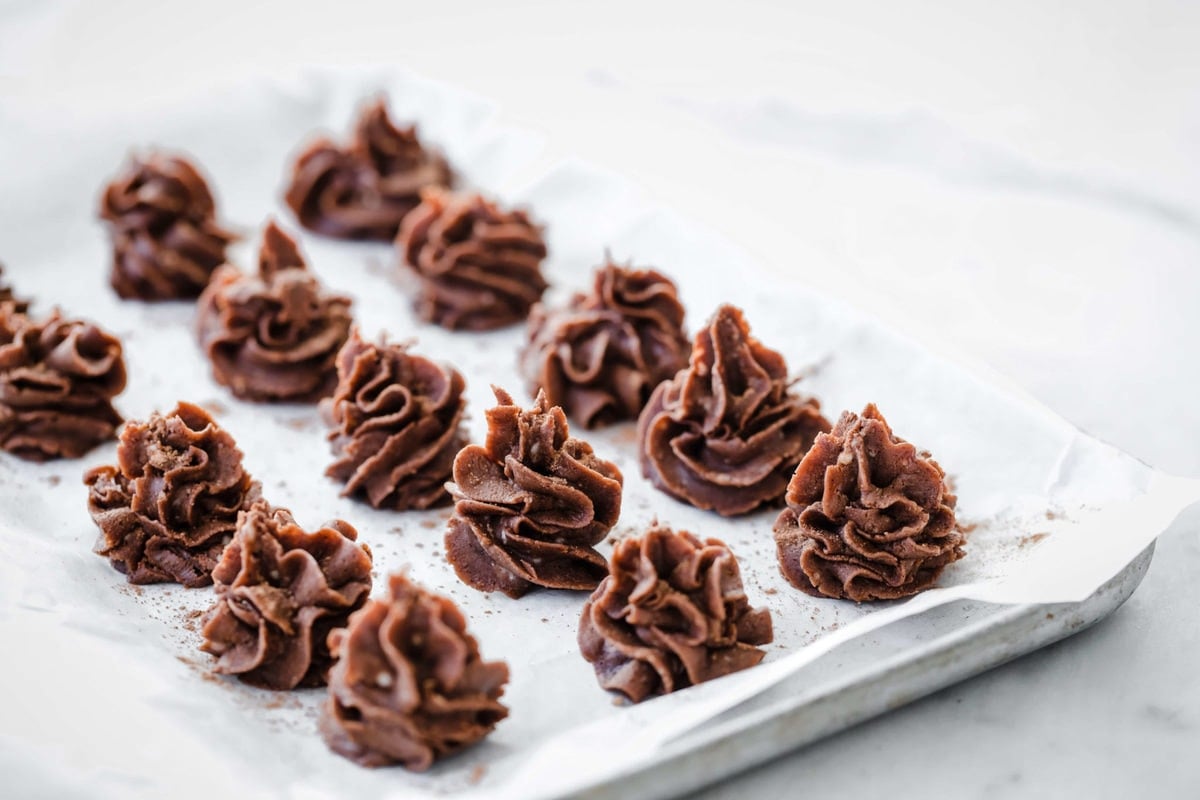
<point>1021,178</point>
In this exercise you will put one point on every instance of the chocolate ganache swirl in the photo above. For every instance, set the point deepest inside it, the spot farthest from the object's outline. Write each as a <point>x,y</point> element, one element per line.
<point>726,433</point>
<point>365,190</point>
<point>868,517</point>
<point>602,355</point>
<point>531,504</point>
<point>409,686</point>
<point>397,425</point>
<point>273,336</point>
<point>396,155</point>
<point>162,219</point>
<point>168,507</point>
<point>479,267</point>
<point>280,591</point>
<point>58,379</point>
<point>672,613</point>
<point>9,299</point>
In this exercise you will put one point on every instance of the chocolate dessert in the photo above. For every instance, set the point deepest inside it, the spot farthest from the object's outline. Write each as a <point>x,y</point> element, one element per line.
<point>280,591</point>
<point>671,613</point>
<point>365,190</point>
<point>58,378</point>
<point>8,298</point>
<point>165,237</point>
<point>726,433</point>
<point>868,517</point>
<point>479,267</point>
<point>602,355</point>
<point>409,686</point>
<point>530,504</point>
<point>397,425</point>
<point>168,507</point>
<point>273,336</point>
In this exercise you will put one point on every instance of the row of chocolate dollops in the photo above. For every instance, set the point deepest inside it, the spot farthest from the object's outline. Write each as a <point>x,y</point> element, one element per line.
<point>867,516</point>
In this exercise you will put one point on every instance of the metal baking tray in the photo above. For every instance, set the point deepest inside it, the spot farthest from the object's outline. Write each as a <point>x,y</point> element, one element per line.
<point>864,678</point>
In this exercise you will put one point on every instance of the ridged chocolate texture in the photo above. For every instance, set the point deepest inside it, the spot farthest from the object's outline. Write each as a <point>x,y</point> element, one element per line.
<point>479,267</point>
<point>672,613</point>
<point>7,298</point>
<point>280,591</point>
<point>166,241</point>
<point>365,190</point>
<point>273,336</point>
<point>868,516</point>
<point>58,379</point>
<point>169,506</point>
<point>397,425</point>
<point>409,686</point>
<point>726,433</point>
<point>601,356</point>
<point>531,504</point>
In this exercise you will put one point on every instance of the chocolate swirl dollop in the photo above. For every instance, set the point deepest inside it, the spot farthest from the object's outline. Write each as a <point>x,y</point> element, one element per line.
<point>868,517</point>
<point>726,433</point>
<point>397,425</point>
<point>671,613</point>
<point>365,190</point>
<point>273,336</point>
<point>58,378</point>
<point>601,356</point>
<point>531,504</point>
<point>409,686</point>
<point>280,591</point>
<point>169,506</point>
<point>479,267</point>
<point>9,299</point>
<point>165,237</point>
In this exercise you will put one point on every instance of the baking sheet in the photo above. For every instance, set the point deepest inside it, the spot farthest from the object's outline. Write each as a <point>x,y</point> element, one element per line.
<point>109,695</point>
<point>868,676</point>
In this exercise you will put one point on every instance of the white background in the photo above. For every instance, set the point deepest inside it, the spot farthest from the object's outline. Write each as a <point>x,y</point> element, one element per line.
<point>1020,178</point>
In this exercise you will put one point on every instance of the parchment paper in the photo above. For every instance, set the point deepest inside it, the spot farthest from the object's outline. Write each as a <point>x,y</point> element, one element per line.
<point>104,691</point>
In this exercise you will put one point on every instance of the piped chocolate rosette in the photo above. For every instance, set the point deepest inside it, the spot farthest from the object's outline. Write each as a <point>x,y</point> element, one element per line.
<point>868,517</point>
<point>479,267</point>
<point>273,336</point>
<point>530,504</point>
<point>171,503</point>
<point>726,433</point>
<point>602,355</point>
<point>165,237</point>
<point>365,190</point>
<point>396,421</point>
<point>9,298</point>
<point>58,378</point>
<point>672,613</point>
<point>280,591</point>
<point>409,686</point>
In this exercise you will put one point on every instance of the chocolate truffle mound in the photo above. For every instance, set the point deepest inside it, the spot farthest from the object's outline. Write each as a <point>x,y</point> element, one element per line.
<point>479,267</point>
<point>396,155</point>
<point>273,336</point>
<point>7,298</point>
<point>601,356</point>
<point>364,191</point>
<point>672,613</point>
<point>531,504</point>
<point>409,686</point>
<point>868,517</point>
<point>726,433</point>
<point>397,425</point>
<point>58,379</point>
<point>168,508</point>
<point>280,591</point>
<point>166,241</point>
